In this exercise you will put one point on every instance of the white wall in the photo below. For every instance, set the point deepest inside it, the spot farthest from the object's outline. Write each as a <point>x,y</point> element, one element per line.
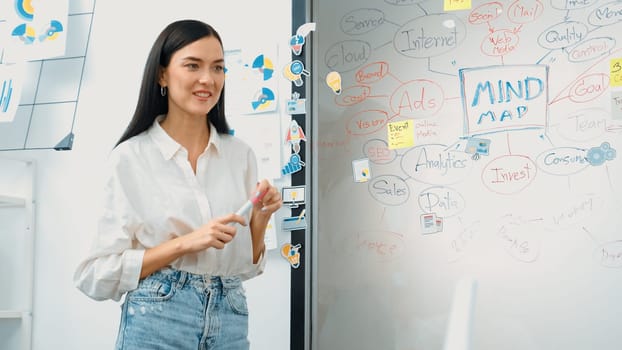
<point>68,185</point>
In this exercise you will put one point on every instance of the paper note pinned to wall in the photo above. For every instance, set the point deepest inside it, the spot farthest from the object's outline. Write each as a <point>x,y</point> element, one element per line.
<point>455,5</point>
<point>270,239</point>
<point>11,78</point>
<point>401,134</point>
<point>34,31</point>
<point>615,72</point>
<point>251,84</point>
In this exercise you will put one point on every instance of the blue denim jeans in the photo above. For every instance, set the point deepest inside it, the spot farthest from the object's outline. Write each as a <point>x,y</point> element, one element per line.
<point>177,310</point>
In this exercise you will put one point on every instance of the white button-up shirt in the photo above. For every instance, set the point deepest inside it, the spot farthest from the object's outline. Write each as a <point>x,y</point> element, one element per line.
<point>153,195</point>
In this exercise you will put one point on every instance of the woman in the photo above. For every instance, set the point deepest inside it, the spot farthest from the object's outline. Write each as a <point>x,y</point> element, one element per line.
<point>169,238</point>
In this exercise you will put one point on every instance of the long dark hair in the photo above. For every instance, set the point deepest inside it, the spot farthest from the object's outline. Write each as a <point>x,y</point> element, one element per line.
<point>150,101</point>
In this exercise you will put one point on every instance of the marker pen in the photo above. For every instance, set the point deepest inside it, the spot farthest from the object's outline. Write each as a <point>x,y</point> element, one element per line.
<point>244,209</point>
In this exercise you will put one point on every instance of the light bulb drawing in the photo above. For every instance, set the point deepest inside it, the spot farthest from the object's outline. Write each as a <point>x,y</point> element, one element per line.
<point>333,80</point>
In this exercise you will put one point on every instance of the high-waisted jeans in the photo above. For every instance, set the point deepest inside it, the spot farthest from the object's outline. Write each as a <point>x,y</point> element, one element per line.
<point>177,310</point>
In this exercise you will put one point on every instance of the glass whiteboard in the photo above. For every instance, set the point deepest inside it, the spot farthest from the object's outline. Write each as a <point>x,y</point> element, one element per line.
<point>469,139</point>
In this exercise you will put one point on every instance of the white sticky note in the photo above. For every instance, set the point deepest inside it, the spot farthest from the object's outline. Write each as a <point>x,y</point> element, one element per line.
<point>270,239</point>
<point>430,223</point>
<point>360,170</point>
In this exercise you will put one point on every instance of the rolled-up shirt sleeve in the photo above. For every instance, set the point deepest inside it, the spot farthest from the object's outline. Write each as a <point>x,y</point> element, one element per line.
<point>114,263</point>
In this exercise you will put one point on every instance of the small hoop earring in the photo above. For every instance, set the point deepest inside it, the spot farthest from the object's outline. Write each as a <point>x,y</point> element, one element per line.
<point>163,91</point>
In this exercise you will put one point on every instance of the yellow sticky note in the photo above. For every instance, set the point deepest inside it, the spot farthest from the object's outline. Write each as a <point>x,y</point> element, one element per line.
<point>401,134</point>
<point>454,5</point>
<point>615,69</point>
